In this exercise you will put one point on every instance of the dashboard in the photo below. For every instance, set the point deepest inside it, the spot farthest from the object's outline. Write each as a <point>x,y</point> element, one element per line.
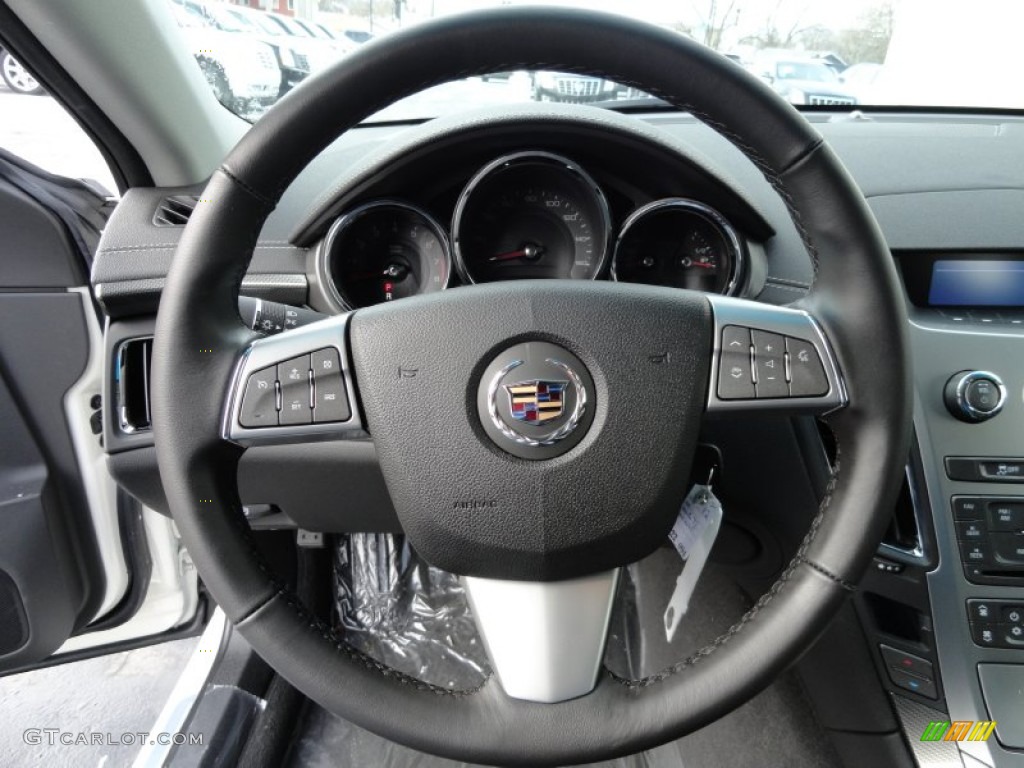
<point>560,192</point>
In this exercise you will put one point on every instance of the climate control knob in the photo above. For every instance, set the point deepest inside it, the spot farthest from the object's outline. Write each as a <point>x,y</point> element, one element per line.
<point>975,396</point>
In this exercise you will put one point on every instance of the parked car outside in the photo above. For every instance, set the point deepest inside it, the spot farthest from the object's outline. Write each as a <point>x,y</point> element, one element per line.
<point>357,35</point>
<point>294,66</point>
<point>319,53</point>
<point>240,69</point>
<point>16,77</point>
<point>570,88</point>
<point>803,80</point>
<point>319,32</point>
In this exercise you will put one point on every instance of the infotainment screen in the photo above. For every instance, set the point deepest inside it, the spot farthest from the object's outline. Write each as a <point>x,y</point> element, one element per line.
<point>976,283</point>
<point>968,280</point>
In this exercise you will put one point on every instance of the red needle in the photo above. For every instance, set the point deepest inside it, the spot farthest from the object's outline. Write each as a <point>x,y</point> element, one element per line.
<point>702,265</point>
<point>509,256</point>
<point>528,251</point>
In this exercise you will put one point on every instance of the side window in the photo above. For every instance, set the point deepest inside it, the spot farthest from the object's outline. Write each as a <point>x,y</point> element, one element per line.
<point>36,128</point>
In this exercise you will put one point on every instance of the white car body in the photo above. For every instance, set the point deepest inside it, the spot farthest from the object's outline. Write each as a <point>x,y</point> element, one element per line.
<point>249,65</point>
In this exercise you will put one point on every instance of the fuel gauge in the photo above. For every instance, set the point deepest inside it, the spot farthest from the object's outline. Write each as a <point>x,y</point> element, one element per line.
<point>384,251</point>
<point>679,243</point>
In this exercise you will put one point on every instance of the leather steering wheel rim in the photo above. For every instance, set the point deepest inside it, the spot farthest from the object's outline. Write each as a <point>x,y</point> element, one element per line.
<point>856,299</point>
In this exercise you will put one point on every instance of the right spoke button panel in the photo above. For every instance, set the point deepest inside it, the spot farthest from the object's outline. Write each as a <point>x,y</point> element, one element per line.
<point>756,364</point>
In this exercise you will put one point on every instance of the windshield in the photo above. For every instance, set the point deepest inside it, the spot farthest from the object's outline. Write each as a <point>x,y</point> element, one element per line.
<point>823,53</point>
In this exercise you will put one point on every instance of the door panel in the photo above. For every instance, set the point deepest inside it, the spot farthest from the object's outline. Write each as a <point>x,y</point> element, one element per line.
<point>41,595</point>
<point>53,581</point>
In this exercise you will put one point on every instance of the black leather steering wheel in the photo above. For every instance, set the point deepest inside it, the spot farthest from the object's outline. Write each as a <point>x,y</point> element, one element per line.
<point>542,531</point>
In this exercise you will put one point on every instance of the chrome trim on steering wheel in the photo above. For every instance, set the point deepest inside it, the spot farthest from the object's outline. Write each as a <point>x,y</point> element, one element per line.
<point>544,639</point>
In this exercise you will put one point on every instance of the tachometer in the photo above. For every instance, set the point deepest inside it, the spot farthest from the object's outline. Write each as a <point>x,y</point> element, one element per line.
<point>530,215</point>
<point>383,251</point>
<point>679,243</point>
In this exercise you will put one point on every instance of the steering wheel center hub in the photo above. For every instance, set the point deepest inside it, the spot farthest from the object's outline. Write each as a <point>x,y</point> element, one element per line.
<point>536,400</point>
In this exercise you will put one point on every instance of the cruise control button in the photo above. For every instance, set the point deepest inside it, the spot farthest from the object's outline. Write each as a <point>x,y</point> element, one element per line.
<point>769,364</point>
<point>295,391</point>
<point>1006,515</point>
<point>330,398</point>
<point>807,375</point>
<point>259,402</point>
<point>735,378</point>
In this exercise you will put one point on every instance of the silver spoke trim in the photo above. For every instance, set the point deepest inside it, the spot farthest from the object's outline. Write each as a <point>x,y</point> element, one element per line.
<point>545,639</point>
<point>785,321</point>
<point>271,350</point>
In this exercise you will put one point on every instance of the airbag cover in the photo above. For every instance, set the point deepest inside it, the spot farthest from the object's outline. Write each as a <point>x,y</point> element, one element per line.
<point>471,507</point>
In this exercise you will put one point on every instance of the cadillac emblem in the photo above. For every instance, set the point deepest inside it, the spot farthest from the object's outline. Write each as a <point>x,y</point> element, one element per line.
<point>536,401</point>
<point>535,412</point>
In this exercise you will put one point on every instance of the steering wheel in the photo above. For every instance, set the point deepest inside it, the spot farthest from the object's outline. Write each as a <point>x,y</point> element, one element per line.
<point>537,514</point>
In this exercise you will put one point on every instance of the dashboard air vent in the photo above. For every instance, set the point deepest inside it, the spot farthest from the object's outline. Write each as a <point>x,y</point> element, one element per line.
<point>131,377</point>
<point>174,211</point>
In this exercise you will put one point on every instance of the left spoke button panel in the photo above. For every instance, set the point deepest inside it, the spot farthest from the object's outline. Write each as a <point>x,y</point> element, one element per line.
<point>295,387</point>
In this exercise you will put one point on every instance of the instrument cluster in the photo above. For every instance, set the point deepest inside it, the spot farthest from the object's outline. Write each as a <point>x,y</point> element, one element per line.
<point>527,215</point>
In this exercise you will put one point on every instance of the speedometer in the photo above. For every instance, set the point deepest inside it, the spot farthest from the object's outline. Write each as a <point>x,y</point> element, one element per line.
<point>530,215</point>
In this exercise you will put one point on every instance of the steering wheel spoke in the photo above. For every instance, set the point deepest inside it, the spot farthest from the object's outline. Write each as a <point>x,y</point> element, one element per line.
<point>295,387</point>
<point>771,359</point>
<point>546,639</point>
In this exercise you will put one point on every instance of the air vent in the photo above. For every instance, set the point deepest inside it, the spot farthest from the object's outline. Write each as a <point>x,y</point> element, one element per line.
<point>174,211</point>
<point>902,539</point>
<point>132,380</point>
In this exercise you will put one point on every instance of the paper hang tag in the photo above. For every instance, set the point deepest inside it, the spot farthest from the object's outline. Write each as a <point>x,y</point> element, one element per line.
<point>693,535</point>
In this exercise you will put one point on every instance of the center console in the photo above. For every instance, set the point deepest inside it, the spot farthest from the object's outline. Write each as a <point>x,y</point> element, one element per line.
<point>967,329</point>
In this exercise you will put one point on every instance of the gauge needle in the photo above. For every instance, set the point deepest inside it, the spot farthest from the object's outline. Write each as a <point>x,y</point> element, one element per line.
<point>391,272</point>
<point>702,265</point>
<point>526,252</point>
